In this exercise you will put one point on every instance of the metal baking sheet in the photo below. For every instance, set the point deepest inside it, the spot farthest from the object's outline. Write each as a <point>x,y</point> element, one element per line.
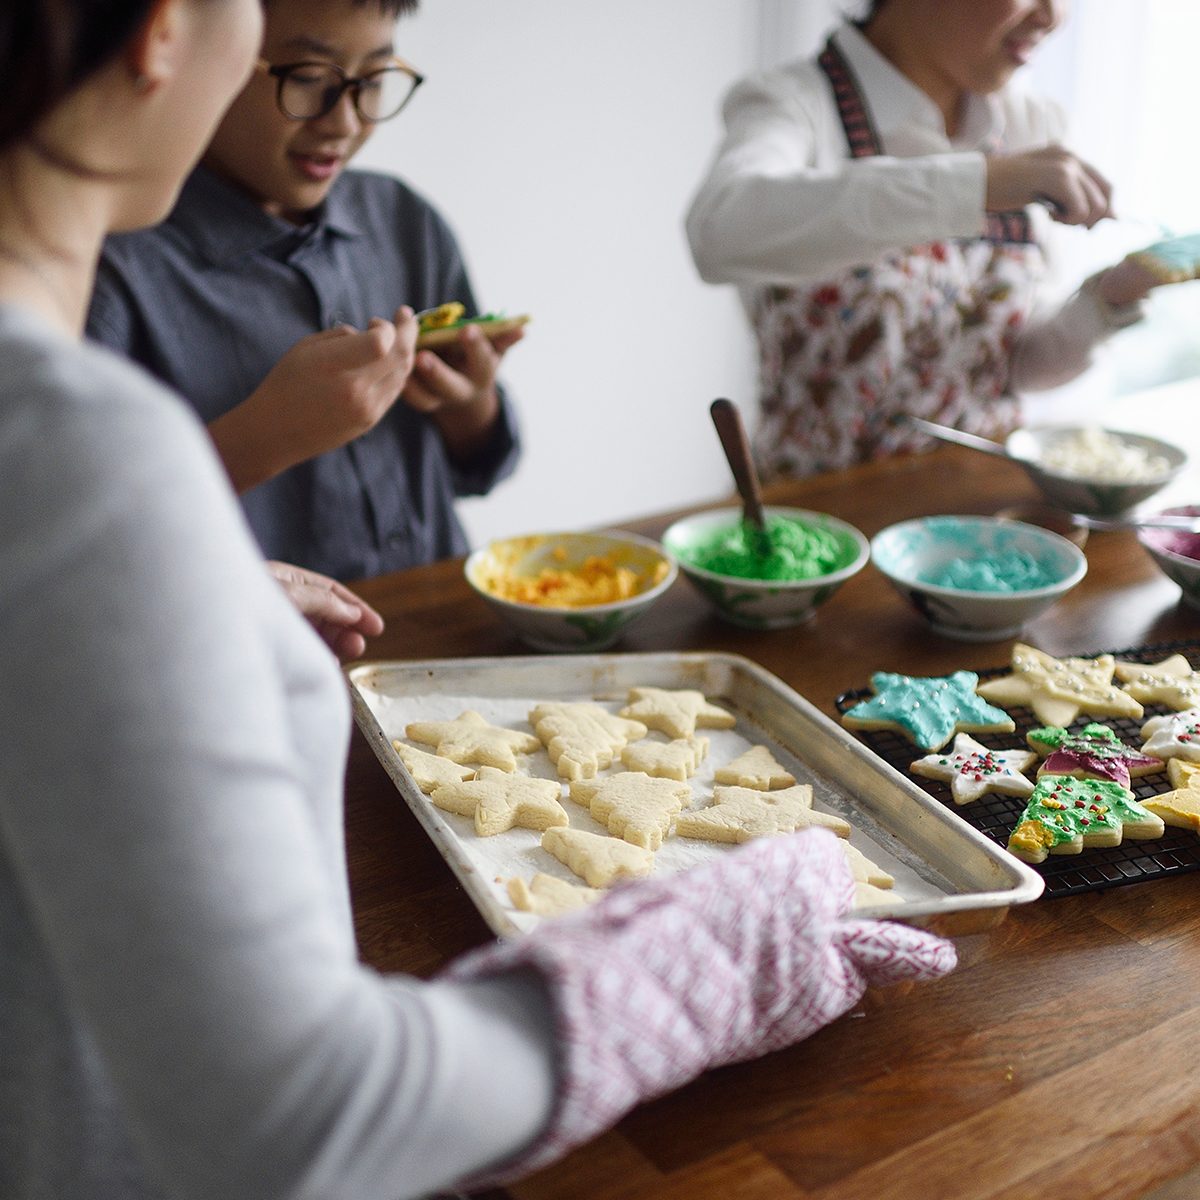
<point>949,876</point>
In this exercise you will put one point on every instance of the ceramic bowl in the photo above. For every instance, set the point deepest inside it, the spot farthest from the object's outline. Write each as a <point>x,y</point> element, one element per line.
<point>571,627</point>
<point>1177,553</point>
<point>763,603</point>
<point>912,551</point>
<point>1094,497</point>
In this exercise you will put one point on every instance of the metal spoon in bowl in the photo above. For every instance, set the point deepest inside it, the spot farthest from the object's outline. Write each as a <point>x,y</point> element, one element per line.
<point>959,437</point>
<point>732,432</point>
<point>1178,521</point>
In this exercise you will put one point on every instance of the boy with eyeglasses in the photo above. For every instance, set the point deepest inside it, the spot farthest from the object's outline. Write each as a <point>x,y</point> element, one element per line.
<point>279,299</point>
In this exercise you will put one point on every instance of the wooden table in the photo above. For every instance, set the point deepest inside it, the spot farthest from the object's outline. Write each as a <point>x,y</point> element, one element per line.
<point>1059,1060</point>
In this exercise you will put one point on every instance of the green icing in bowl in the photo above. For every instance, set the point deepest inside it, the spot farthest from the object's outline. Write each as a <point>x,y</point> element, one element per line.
<point>797,551</point>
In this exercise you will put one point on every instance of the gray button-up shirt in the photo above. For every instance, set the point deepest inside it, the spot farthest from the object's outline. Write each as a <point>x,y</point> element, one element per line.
<point>211,299</point>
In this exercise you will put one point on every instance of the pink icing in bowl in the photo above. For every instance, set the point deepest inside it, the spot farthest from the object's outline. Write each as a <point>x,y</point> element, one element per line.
<point>1177,553</point>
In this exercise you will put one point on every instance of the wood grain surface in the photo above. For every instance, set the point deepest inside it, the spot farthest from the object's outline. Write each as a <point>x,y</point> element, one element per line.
<point>1057,1061</point>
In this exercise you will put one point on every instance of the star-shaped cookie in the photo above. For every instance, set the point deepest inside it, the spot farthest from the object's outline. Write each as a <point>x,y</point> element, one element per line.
<point>1176,735</point>
<point>738,814</point>
<point>972,769</point>
<point>928,710</point>
<point>1171,683</point>
<point>1065,814</point>
<point>428,770</point>
<point>500,801</point>
<point>1094,752</point>
<point>679,758</point>
<point>471,739</point>
<point>1180,807</point>
<point>633,805</point>
<point>1059,689</point>
<point>675,713</point>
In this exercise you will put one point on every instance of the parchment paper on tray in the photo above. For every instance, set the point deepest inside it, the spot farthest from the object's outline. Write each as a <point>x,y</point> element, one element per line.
<point>947,875</point>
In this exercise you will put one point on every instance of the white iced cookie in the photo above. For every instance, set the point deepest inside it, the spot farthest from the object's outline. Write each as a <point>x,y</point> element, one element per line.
<point>738,814</point>
<point>430,770</point>
<point>1171,683</point>
<point>499,801</point>
<point>675,713</point>
<point>634,806</point>
<point>757,768</point>
<point>1176,735</point>
<point>679,758</point>
<point>582,738</point>
<point>972,770</point>
<point>597,859</point>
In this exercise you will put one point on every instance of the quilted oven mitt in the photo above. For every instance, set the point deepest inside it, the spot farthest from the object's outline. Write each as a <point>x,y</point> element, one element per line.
<point>665,978</point>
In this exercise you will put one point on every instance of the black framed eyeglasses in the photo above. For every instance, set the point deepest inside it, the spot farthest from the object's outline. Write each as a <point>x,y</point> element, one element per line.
<point>306,90</point>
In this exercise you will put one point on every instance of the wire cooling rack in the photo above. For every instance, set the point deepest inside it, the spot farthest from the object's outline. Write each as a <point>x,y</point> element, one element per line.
<point>1176,852</point>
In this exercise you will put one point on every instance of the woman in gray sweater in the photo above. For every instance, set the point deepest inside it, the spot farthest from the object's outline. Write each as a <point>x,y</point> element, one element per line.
<point>182,1009</point>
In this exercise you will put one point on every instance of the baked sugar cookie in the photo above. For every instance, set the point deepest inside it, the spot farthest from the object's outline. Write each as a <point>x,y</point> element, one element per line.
<point>675,713</point>
<point>1094,752</point>
<point>972,770</point>
<point>633,805</point>
<point>927,710</point>
<point>1171,683</point>
<point>1066,814</point>
<point>679,758</point>
<point>757,768</point>
<point>429,770</point>
<point>738,814</point>
<point>868,895</point>
<point>471,739</point>
<point>499,801</point>
<point>597,859</point>
<point>1173,736</point>
<point>1180,807</point>
<point>549,896</point>
<point>864,870</point>
<point>582,738</point>
<point>1059,689</point>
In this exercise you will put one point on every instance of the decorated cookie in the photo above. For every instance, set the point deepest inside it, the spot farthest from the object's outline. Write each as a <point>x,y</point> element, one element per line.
<point>429,770</point>
<point>738,814</point>
<point>1065,814</point>
<point>864,870</point>
<point>972,770</point>
<point>1095,752</point>
<point>635,806</point>
<point>1173,736</point>
<point>1059,689</point>
<point>597,859</point>
<point>675,713</point>
<point>582,738</point>
<point>756,768</point>
<point>549,896</point>
<point>679,758</point>
<point>1171,683</point>
<point>927,710</point>
<point>470,739</point>
<point>500,801</point>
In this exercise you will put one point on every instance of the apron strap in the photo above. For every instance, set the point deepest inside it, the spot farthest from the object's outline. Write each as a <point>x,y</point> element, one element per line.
<point>1011,227</point>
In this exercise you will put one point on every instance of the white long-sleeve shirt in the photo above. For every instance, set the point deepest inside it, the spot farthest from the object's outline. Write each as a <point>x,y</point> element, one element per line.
<point>182,1009</point>
<point>783,204</point>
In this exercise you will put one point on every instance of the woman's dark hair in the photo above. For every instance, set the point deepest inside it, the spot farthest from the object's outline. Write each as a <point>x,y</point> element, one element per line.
<point>49,46</point>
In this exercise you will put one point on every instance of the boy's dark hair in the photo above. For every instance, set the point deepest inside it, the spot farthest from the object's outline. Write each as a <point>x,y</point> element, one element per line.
<point>396,8</point>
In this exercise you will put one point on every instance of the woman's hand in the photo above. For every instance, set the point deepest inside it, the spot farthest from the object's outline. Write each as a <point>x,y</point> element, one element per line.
<point>342,619</point>
<point>1074,191</point>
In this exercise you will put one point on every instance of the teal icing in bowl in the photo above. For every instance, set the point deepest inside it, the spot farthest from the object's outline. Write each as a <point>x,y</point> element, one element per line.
<point>1007,571</point>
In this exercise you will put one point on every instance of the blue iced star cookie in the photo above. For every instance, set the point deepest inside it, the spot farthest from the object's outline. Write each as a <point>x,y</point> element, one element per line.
<point>929,711</point>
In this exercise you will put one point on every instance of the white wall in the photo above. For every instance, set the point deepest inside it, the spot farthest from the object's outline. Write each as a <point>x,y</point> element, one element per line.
<point>562,140</point>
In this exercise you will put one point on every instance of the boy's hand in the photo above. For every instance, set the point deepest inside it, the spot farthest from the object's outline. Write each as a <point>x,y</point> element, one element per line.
<point>1075,192</point>
<point>457,387</point>
<point>342,619</point>
<point>328,389</point>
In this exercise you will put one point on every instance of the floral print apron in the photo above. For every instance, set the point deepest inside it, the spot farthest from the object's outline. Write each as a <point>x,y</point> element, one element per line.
<point>929,330</point>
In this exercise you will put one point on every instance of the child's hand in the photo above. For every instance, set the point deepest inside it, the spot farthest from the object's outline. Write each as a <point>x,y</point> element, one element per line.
<point>457,387</point>
<point>1126,282</point>
<point>328,389</point>
<point>1075,192</point>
